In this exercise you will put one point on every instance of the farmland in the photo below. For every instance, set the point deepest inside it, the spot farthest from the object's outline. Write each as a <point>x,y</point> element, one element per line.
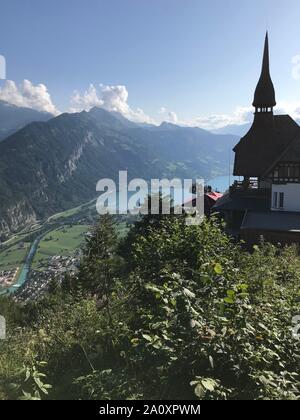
<point>64,241</point>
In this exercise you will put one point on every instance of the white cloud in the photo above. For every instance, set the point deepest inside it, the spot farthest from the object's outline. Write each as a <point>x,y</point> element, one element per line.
<point>172,117</point>
<point>115,98</point>
<point>290,108</point>
<point>28,95</point>
<point>168,116</point>
<point>111,98</point>
<point>240,116</point>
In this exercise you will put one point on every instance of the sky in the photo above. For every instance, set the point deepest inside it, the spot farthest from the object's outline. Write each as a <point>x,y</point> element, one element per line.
<point>192,62</point>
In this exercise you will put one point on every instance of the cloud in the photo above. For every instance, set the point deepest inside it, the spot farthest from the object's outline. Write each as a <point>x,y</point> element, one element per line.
<point>290,108</point>
<point>168,116</point>
<point>111,98</point>
<point>172,117</point>
<point>240,116</point>
<point>115,98</point>
<point>28,95</point>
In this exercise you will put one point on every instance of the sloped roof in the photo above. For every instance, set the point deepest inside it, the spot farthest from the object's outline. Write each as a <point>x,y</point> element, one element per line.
<point>265,142</point>
<point>240,202</point>
<point>272,221</point>
<point>214,195</point>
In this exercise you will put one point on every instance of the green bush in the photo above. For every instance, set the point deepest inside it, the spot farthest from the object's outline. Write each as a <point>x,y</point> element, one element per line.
<point>188,315</point>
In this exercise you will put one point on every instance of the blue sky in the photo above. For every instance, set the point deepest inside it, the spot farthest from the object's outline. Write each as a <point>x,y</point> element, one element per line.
<point>195,58</point>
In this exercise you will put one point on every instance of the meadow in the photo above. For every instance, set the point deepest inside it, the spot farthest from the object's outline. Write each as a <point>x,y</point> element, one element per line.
<point>14,256</point>
<point>62,241</point>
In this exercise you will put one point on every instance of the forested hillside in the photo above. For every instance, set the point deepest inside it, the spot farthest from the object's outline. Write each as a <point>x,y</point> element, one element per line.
<point>170,312</point>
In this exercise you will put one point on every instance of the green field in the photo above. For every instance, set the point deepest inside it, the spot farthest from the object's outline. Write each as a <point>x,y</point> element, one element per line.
<point>73,211</point>
<point>62,241</point>
<point>14,256</point>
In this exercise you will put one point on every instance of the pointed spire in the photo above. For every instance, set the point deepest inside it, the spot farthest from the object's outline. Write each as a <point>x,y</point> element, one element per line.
<point>264,96</point>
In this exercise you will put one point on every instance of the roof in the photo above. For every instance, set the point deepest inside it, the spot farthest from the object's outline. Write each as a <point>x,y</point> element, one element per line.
<point>265,142</point>
<point>264,96</point>
<point>272,221</point>
<point>214,195</point>
<point>240,202</point>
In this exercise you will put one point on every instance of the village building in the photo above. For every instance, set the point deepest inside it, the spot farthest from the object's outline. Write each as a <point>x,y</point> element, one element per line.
<point>266,202</point>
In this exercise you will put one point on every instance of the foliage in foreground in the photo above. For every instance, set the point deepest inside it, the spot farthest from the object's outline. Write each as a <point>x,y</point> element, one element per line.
<point>173,312</point>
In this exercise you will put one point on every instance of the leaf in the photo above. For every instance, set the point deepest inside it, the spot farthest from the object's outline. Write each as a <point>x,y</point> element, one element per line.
<point>229,300</point>
<point>26,396</point>
<point>188,293</point>
<point>199,391</point>
<point>211,362</point>
<point>195,323</point>
<point>153,288</point>
<point>208,384</point>
<point>147,337</point>
<point>261,325</point>
<point>27,375</point>
<point>218,269</point>
<point>38,382</point>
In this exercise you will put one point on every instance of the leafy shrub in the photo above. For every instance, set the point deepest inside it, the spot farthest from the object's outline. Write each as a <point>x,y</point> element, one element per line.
<point>189,315</point>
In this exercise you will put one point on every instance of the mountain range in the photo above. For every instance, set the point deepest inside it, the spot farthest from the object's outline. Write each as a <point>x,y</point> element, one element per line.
<point>234,129</point>
<point>50,166</point>
<point>13,118</point>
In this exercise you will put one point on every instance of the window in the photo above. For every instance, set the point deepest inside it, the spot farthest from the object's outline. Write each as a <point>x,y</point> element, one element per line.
<point>275,200</point>
<point>281,200</point>
<point>278,200</point>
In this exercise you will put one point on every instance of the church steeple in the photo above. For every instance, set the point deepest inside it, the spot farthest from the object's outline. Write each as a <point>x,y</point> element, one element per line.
<point>264,97</point>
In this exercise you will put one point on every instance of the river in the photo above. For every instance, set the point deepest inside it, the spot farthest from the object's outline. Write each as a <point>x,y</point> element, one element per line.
<point>22,276</point>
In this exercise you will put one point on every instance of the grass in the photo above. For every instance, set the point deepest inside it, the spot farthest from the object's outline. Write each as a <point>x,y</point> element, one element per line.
<point>62,241</point>
<point>14,256</point>
<point>72,212</point>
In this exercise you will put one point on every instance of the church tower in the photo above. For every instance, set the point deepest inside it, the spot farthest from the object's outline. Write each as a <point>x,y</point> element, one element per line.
<point>266,200</point>
<point>264,97</point>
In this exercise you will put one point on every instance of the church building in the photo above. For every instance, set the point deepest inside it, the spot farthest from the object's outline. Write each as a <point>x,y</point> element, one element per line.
<point>267,200</point>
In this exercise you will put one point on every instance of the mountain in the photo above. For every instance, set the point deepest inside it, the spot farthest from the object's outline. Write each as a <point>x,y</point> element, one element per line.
<point>13,118</point>
<point>237,130</point>
<point>47,167</point>
<point>187,152</point>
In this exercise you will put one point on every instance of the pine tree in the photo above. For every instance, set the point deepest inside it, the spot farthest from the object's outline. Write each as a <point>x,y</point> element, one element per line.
<point>97,271</point>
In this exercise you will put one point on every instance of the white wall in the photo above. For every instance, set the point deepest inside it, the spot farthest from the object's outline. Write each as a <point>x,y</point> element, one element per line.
<point>291,196</point>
